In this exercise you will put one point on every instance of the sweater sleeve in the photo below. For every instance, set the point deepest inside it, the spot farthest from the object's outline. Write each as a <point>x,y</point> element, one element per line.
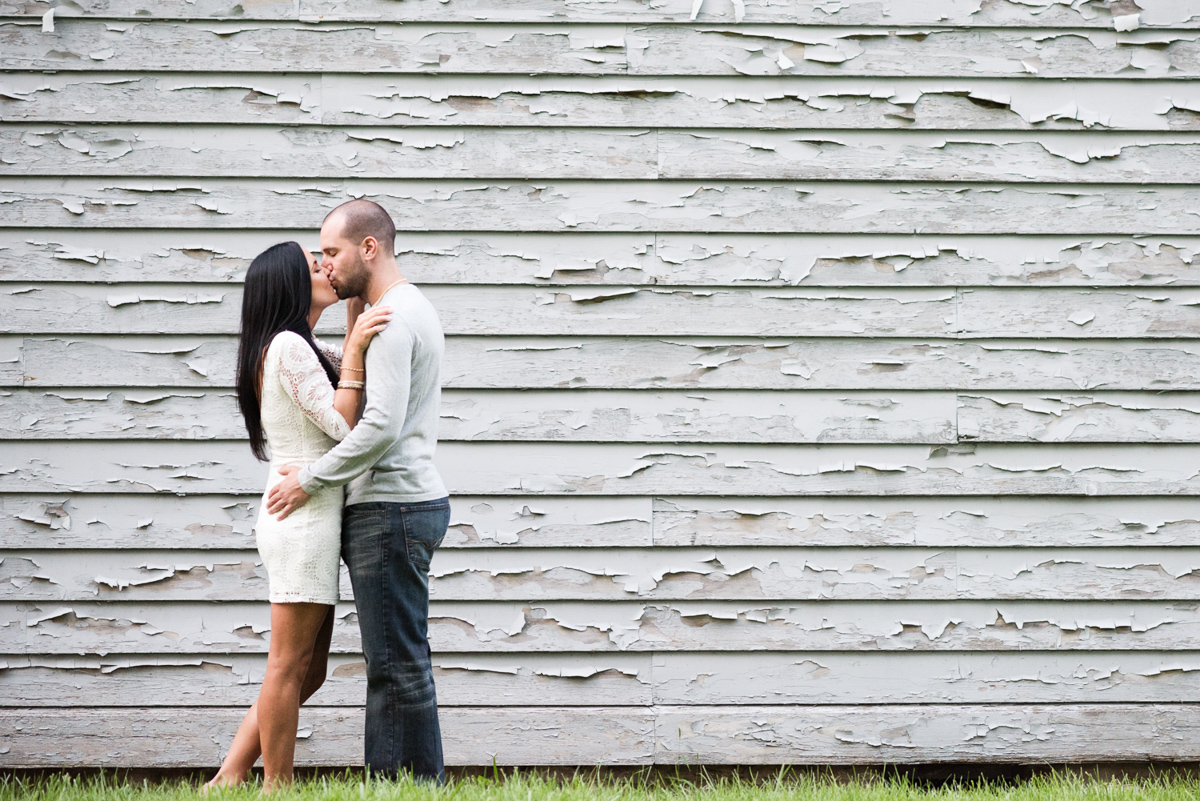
<point>305,382</point>
<point>388,370</point>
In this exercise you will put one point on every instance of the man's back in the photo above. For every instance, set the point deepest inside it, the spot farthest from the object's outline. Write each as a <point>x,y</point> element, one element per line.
<point>388,457</point>
<point>411,348</point>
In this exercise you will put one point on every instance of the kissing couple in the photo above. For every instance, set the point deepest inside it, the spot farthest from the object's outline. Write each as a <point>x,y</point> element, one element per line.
<point>350,433</point>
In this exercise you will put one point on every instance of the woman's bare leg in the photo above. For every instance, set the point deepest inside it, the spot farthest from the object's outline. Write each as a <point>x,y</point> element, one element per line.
<point>247,744</point>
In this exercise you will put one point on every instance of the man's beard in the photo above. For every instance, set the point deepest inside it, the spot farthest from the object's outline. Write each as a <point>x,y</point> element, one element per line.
<point>353,283</point>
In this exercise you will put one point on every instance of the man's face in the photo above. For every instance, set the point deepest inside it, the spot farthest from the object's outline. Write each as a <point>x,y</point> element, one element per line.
<point>342,261</point>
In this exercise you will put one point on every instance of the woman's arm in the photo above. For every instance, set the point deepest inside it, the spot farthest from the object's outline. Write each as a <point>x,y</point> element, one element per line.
<point>347,400</point>
<point>354,307</point>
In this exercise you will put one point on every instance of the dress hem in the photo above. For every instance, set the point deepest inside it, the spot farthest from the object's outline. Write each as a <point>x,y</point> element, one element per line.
<point>301,600</point>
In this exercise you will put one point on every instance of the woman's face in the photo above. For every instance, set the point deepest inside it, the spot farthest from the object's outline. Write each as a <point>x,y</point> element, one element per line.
<point>323,295</point>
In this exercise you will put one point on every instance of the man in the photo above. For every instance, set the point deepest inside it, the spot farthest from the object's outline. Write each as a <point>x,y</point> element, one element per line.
<point>396,510</point>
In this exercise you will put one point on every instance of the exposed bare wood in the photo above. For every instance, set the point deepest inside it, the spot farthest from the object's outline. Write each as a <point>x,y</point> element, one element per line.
<point>112,627</point>
<point>641,206</point>
<point>598,363</point>
<point>555,415</point>
<point>671,574</point>
<point>84,44</point>
<point>200,256</point>
<point>791,102</point>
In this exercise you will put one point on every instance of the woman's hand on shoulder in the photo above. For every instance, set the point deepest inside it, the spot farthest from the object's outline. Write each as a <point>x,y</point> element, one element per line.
<point>368,324</point>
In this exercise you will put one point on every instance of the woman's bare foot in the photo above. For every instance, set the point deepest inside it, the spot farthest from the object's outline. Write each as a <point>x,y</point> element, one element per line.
<point>222,781</point>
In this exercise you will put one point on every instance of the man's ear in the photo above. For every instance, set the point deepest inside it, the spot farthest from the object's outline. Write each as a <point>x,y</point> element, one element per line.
<point>370,248</point>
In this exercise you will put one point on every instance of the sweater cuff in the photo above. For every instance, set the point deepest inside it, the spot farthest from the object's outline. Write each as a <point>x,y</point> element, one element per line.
<point>308,482</point>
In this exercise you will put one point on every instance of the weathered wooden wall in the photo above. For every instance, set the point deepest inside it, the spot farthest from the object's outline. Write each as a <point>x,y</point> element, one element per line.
<point>823,378</point>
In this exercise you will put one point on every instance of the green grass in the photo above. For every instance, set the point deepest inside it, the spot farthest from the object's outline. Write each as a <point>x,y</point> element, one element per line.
<point>539,787</point>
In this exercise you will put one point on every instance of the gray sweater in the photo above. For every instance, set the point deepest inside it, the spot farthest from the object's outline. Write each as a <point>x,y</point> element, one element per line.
<point>389,454</point>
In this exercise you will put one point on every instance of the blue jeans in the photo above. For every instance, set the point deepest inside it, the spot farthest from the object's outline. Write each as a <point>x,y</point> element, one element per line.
<point>387,547</point>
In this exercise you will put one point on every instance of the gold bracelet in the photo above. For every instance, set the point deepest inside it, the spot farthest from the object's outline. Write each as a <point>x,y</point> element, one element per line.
<point>353,369</point>
<point>350,385</point>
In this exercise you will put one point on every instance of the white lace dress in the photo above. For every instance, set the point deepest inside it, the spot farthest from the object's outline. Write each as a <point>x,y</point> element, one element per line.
<point>300,552</point>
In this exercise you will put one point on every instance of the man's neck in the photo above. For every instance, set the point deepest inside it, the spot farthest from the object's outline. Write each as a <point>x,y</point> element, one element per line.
<point>382,279</point>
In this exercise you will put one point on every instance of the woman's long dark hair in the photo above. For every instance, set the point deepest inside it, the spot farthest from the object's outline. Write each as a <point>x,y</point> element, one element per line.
<point>277,297</point>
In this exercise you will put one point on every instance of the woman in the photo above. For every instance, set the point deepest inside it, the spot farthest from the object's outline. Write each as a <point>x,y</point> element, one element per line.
<point>294,400</point>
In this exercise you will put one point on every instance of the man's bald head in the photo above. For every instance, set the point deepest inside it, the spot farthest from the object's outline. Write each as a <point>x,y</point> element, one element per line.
<point>359,219</point>
<point>357,242</point>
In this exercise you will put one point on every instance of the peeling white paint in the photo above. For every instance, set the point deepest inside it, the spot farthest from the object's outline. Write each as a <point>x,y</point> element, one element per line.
<point>812,361</point>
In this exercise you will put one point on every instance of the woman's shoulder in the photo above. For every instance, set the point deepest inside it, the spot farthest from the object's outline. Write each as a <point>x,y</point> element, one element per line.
<point>289,347</point>
<point>286,340</point>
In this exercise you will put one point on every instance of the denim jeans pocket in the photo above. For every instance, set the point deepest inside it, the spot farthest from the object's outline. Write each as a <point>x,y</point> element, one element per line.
<point>424,530</point>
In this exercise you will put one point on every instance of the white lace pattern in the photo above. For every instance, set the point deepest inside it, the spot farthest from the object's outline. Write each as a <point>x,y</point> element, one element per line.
<point>300,552</point>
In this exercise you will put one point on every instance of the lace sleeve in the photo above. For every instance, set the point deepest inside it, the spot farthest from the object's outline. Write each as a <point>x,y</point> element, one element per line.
<point>332,352</point>
<point>305,382</point>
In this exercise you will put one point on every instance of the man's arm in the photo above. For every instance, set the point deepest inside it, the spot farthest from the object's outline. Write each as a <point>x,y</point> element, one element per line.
<point>388,365</point>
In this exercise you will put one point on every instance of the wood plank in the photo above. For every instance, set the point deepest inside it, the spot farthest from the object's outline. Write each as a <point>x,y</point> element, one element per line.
<point>199,737</point>
<point>85,522</point>
<point>580,153</point>
<point>254,151</point>
<point>625,363</point>
<point>670,574</point>
<point>1091,417</point>
<point>202,256</point>
<point>674,50</point>
<point>804,12</point>
<point>142,46</point>
<point>521,311</point>
<point>881,734</point>
<point>935,522</point>
<point>630,679</point>
<point>921,678</point>
<point>505,468</point>
<point>633,206</point>
<point>235,680</point>
<point>790,102</point>
<point>114,627</point>
<point>633,311</point>
<point>83,44</point>
<point>552,415</point>
<point>200,522</point>
<point>769,735</point>
<point>1058,313</point>
<point>913,156</point>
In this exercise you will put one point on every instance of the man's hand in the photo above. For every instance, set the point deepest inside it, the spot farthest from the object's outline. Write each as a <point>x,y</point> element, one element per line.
<point>286,496</point>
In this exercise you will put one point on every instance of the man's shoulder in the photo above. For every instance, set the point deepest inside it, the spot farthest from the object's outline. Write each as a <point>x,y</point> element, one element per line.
<point>414,310</point>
